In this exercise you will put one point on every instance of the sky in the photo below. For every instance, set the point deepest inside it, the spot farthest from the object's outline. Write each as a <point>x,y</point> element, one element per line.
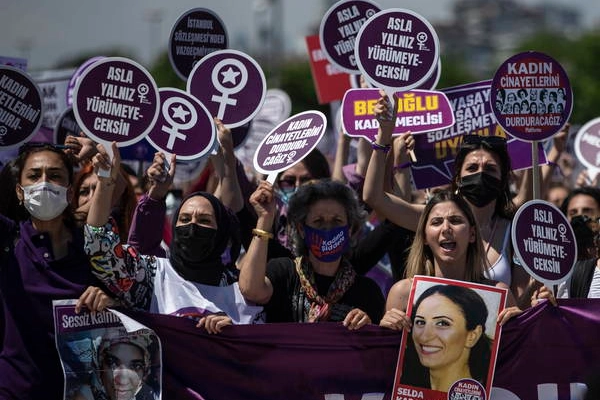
<point>46,32</point>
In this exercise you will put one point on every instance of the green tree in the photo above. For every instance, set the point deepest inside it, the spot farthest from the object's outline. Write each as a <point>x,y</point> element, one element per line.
<point>580,57</point>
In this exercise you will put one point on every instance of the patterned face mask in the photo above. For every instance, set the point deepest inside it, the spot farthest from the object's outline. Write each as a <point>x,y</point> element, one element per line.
<point>327,245</point>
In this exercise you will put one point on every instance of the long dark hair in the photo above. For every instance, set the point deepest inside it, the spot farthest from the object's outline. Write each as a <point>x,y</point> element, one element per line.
<point>475,312</point>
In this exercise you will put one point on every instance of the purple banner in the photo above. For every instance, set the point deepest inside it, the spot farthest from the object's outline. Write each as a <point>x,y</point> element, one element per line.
<point>435,151</point>
<point>339,28</point>
<point>20,107</point>
<point>184,126</point>
<point>544,242</point>
<point>230,84</point>
<point>196,33</point>
<point>418,111</point>
<point>326,361</point>
<point>116,99</point>
<point>397,49</point>
<point>290,142</point>
<point>587,144</point>
<point>531,96</point>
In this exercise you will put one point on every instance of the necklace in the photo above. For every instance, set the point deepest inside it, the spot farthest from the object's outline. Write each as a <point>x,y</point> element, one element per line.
<point>491,236</point>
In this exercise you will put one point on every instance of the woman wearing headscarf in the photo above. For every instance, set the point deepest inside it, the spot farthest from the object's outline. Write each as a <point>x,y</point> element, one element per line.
<point>193,281</point>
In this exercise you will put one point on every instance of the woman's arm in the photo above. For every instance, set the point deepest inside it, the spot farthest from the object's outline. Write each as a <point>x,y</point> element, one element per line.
<point>341,156</point>
<point>253,282</point>
<point>228,188</point>
<point>401,212</point>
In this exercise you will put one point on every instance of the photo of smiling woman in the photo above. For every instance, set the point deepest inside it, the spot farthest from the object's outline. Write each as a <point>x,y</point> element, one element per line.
<point>452,336</point>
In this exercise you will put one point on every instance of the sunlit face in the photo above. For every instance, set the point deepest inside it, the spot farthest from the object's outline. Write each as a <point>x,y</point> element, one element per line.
<point>440,334</point>
<point>197,210</point>
<point>582,204</point>
<point>43,166</point>
<point>481,160</point>
<point>326,214</point>
<point>86,190</point>
<point>448,234</point>
<point>123,370</point>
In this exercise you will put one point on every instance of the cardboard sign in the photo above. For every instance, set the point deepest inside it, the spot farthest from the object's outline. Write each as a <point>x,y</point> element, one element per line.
<point>184,126</point>
<point>338,30</point>
<point>544,242</point>
<point>116,99</point>
<point>587,144</point>
<point>531,96</point>
<point>330,81</point>
<point>20,107</point>
<point>436,150</point>
<point>418,111</point>
<point>397,49</point>
<point>196,33</point>
<point>290,142</point>
<point>454,323</point>
<point>230,84</point>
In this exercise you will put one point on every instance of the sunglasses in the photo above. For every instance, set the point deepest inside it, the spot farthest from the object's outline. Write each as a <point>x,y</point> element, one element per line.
<point>27,147</point>
<point>490,141</point>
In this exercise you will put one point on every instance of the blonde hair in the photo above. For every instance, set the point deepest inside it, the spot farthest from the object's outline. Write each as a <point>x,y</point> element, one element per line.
<point>420,258</point>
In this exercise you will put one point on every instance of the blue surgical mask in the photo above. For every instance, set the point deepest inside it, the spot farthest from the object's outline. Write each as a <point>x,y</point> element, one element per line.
<point>327,245</point>
<point>285,194</point>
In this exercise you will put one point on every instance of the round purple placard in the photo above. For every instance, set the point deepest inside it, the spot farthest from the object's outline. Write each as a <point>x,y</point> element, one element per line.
<point>20,107</point>
<point>116,99</point>
<point>290,142</point>
<point>544,241</point>
<point>66,125</point>
<point>531,96</point>
<point>230,84</point>
<point>587,144</point>
<point>431,82</point>
<point>184,126</point>
<point>339,28</point>
<point>78,72</point>
<point>467,389</point>
<point>196,33</point>
<point>397,49</point>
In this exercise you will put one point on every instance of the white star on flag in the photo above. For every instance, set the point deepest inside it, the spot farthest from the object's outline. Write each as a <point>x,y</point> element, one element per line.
<point>179,112</point>
<point>229,75</point>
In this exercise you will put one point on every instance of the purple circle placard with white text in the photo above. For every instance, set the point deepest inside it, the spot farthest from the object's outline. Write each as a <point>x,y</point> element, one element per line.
<point>230,84</point>
<point>544,241</point>
<point>587,144</point>
<point>75,77</point>
<point>290,142</point>
<point>116,99</point>
<point>339,28</point>
<point>184,126</point>
<point>397,49</point>
<point>531,96</point>
<point>66,126</point>
<point>20,107</point>
<point>196,33</point>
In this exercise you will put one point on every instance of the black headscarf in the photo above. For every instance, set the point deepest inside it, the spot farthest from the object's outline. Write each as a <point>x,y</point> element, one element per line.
<point>209,269</point>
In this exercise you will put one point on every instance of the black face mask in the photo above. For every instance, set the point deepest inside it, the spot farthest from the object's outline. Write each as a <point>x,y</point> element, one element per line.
<point>192,254</point>
<point>480,189</point>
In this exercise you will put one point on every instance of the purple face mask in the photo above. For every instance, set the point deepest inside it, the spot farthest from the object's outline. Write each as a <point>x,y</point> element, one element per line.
<point>327,245</point>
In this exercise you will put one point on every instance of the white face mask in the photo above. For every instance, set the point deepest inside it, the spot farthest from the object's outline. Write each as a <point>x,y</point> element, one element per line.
<point>45,200</point>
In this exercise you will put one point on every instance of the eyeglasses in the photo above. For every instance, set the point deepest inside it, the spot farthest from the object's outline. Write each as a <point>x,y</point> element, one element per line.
<point>490,141</point>
<point>27,147</point>
<point>289,182</point>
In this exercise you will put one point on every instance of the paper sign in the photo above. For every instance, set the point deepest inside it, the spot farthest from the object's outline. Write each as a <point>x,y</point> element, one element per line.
<point>196,33</point>
<point>20,107</point>
<point>116,99</point>
<point>290,142</point>
<point>330,81</point>
<point>418,111</point>
<point>397,49</point>
<point>230,84</point>
<point>531,96</point>
<point>184,126</point>
<point>544,242</point>
<point>338,30</point>
<point>453,323</point>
